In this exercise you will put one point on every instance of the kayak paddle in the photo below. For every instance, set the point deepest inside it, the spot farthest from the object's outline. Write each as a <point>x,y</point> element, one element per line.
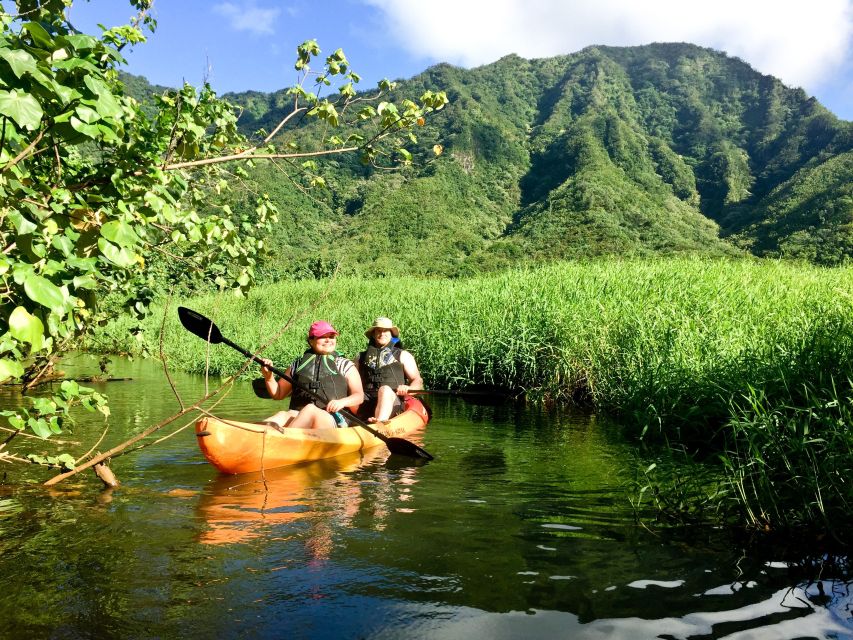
<point>205,329</point>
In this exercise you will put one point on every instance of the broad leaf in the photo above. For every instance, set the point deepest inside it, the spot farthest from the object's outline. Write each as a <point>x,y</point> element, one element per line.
<point>120,232</point>
<point>40,427</point>
<point>119,256</point>
<point>22,225</point>
<point>47,294</point>
<point>27,328</point>
<point>89,130</point>
<point>10,369</point>
<point>22,108</point>
<point>107,105</point>
<point>19,60</point>
<point>39,34</point>
<point>87,114</point>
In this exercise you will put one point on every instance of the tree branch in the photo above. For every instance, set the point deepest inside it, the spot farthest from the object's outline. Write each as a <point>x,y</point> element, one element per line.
<point>260,156</point>
<point>25,152</point>
<point>124,445</point>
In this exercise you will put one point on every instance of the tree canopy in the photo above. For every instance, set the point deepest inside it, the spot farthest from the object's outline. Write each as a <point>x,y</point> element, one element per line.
<point>98,192</point>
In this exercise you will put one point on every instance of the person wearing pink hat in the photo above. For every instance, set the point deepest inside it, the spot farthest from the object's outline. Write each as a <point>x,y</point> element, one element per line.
<point>387,371</point>
<point>323,371</point>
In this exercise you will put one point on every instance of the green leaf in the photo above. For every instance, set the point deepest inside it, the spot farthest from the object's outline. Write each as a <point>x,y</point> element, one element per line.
<point>119,256</point>
<point>66,94</point>
<point>22,225</point>
<point>89,130</point>
<point>87,114</point>
<point>21,107</point>
<point>19,60</point>
<point>120,233</point>
<point>107,105</point>
<point>39,34</point>
<point>81,42</point>
<point>47,294</point>
<point>26,328</point>
<point>67,460</point>
<point>85,282</point>
<point>70,388</point>
<point>40,427</point>
<point>44,405</point>
<point>10,369</point>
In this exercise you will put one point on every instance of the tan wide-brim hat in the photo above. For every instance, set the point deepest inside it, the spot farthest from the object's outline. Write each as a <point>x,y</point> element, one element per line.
<point>382,323</point>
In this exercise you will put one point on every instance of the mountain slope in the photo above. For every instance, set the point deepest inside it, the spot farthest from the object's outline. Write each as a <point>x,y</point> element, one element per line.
<point>658,148</point>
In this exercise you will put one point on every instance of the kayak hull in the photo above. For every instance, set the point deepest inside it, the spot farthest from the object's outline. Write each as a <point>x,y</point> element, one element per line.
<point>245,447</point>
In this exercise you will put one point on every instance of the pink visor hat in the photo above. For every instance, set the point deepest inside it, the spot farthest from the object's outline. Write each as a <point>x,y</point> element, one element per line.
<point>320,328</point>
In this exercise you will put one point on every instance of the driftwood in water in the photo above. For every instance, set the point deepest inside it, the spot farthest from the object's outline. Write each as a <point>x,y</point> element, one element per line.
<point>106,475</point>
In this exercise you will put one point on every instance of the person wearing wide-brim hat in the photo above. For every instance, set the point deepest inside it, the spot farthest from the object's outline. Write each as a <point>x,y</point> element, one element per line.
<point>387,371</point>
<point>326,373</point>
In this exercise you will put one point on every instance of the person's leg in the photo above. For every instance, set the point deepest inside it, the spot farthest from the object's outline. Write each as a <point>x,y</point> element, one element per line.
<point>280,419</point>
<point>367,410</point>
<point>386,399</point>
<point>312,417</point>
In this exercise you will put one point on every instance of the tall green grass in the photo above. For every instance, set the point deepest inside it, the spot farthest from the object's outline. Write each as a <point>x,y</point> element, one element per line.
<point>665,343</point>
<point>790,465</point>
<point>746,360</point>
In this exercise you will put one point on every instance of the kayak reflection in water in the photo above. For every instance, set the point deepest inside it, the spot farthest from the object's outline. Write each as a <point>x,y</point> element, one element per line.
<point>320,371</point>
<point>387,371</point>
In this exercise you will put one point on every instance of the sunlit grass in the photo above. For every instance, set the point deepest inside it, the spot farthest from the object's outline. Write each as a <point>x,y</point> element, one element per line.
<point>661,342</point>
<point>747,359</point>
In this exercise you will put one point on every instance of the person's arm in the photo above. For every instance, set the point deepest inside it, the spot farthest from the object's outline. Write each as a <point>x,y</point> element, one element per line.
<point>410,368</point>
<point>277,389</point>
<point>356,393</point>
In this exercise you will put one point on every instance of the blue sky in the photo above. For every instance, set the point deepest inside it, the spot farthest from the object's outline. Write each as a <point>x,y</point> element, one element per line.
<point>250,44</point>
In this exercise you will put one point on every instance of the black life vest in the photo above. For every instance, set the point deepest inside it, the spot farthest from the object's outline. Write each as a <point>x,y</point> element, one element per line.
<point>320,375</point>
<point>382,366</point>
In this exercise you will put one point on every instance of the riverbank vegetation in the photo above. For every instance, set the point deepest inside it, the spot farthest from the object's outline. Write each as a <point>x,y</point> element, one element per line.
<point>105,202</point>
<point>738,361</point>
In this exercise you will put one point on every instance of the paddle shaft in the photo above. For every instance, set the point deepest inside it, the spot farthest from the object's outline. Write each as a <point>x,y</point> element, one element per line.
<point>447,392</point>
<point>316,396</point>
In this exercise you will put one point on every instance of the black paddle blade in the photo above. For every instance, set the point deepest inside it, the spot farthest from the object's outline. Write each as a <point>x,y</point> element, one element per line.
<point>259,385</point>
<point>197,324</point>
<point>406,448</point>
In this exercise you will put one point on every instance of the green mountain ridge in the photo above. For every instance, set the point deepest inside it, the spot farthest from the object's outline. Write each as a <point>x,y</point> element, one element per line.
<point>652,149</point>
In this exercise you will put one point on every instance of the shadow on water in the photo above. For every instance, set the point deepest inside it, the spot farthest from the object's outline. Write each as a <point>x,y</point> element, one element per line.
<point>520,527</point>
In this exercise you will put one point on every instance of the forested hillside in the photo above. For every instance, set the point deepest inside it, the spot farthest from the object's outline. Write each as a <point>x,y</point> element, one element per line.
<point>655,149</point>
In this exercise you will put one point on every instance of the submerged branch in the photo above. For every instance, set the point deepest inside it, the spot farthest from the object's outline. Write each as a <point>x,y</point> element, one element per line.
<point>124,445</point>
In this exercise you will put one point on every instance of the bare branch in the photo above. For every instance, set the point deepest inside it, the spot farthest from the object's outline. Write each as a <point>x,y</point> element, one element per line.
<point>124,445</point>
<point>26,151</point>
<point>260,156</point>
<point>296,109</point>
<point>163,355</point>
<point>94,446</point>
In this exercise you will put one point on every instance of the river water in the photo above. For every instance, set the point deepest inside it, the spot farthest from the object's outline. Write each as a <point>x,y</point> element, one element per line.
<point>520,528</point>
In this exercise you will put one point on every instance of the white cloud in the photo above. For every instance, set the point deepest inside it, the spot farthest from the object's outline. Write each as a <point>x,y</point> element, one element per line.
<point>798,41</point>
<point>246,16</point>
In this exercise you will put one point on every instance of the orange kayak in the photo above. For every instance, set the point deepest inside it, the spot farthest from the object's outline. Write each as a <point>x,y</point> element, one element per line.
<point>244,447</point>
